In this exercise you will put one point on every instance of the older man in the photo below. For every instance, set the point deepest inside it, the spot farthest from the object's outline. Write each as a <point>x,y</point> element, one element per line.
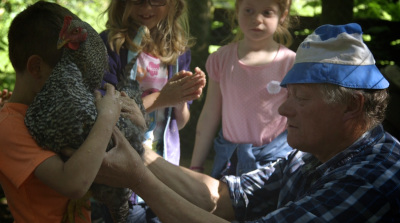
<point>345,167</point>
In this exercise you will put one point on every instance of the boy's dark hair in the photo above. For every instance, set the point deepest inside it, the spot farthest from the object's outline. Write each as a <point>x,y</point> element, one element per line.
<point>35,31</point>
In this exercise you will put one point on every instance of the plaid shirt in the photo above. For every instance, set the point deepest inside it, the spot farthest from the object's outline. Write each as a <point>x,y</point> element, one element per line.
<point>360,184</point>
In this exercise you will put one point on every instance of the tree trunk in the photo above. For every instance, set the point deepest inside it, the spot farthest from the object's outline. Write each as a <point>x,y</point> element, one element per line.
<point>199,21</point>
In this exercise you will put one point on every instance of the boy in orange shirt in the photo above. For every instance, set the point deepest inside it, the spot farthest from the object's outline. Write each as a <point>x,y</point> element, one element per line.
<point>37,183</point>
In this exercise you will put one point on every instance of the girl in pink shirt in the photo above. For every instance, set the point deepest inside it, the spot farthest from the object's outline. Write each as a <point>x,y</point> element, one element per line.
<point>244,92</point>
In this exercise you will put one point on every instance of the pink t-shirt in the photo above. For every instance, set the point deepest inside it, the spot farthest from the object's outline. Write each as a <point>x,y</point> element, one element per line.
<point>251,95</point>
<point>152,75</point>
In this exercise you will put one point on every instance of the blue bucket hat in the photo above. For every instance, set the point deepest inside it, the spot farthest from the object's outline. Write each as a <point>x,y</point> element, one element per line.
<point>336,54</point>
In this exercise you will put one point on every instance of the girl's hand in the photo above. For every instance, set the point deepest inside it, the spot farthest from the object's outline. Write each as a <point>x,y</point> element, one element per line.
<point>202,77</point>
<point>109,106</point>
<point>4,96</point>
<point>131,110</point>
<point>182,87</point>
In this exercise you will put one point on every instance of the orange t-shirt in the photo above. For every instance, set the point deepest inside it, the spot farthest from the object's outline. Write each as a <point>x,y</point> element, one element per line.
<point>29,199</point>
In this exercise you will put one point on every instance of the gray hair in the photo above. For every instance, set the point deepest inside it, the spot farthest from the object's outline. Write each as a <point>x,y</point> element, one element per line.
<point>375,101</point>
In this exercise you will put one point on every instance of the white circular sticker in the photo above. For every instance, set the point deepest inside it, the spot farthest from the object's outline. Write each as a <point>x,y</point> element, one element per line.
<point>274,87</point>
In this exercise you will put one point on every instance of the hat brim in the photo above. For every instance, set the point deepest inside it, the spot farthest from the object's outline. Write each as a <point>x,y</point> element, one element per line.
<point>350,76</point>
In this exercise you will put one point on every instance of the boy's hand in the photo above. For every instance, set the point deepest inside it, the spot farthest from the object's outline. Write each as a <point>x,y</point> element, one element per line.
<point>131,110</point>
<point>182,87</point>
<point>122,165</point>
<point>4,96</point>
<point>109,106</point>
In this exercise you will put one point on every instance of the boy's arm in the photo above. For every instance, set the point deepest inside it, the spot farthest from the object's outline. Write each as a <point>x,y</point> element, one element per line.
<point>207,125</point>
<point>74,177</point>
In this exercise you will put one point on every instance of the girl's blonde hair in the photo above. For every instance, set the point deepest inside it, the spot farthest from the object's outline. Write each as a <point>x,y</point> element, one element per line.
<point>169,39</point>
<point>282,34</point>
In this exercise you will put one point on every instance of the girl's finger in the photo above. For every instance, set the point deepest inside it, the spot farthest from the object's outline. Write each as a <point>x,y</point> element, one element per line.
<point>97,94</point>
<point>109,88</point>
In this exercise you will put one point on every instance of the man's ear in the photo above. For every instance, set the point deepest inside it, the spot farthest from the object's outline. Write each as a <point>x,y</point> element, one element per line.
<point>34,66</point>
<point>355,107</point>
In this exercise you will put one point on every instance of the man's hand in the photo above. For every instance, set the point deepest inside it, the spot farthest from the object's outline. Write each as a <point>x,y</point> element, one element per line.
<point>122,165</point>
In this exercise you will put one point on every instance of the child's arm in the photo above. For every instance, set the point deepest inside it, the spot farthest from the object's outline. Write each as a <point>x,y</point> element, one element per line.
<point>182,113</point>
<point>182,87</point>
<point>74,177</point>
<point>207,125</point>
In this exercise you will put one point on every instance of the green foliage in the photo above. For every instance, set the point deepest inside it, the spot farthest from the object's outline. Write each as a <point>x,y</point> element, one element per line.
<point>363,9</point>
<point>229,4</point>
<point>306,7</point>
<point>377,9</point>
<point>216,24</point>
<point>303,32</point>
<point>90,11</point>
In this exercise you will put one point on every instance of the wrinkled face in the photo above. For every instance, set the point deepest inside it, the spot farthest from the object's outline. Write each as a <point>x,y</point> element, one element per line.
<point>313,125</point>
<point>146,14</point>
<point>258,19</point>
